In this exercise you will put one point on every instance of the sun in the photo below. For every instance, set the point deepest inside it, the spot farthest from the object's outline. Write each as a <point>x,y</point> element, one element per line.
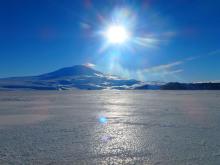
<point>117,34</point>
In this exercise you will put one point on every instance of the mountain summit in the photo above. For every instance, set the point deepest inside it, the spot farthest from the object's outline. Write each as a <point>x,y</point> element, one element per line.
<point>77,70</point>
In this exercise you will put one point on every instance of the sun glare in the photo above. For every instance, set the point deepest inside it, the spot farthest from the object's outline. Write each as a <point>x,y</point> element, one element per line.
<point>117,34</point>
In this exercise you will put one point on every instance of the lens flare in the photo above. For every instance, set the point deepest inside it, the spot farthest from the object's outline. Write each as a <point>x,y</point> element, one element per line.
<point>103,120</point>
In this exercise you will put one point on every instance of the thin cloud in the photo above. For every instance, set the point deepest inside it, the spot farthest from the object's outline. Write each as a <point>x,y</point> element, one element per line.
<point>166,69</point>
<point>174,71</point>
<point>192,58</point>
<point>212,53</point>
<point>90,65</point>
<point>162,68</point>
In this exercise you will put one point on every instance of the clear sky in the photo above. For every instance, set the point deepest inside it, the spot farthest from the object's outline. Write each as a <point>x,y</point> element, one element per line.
<point>176,40</point>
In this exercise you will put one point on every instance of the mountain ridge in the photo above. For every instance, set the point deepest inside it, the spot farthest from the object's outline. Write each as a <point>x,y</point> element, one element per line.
<point>87,78</point>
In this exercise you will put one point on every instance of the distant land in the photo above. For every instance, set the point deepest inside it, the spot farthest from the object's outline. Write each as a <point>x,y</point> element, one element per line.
<point>86,78</point>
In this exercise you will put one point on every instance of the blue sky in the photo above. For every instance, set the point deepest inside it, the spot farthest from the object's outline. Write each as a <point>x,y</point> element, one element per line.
<point>171,40</point>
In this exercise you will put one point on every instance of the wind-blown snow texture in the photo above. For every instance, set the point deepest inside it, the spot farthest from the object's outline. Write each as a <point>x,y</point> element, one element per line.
<point>110,127</point>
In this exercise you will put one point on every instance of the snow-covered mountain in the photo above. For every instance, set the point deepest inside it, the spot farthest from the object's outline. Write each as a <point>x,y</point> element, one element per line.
<point>83,77</point>
<point>76,77</point>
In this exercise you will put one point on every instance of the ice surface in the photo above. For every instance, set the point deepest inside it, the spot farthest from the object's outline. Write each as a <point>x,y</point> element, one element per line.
<point>110,127</point>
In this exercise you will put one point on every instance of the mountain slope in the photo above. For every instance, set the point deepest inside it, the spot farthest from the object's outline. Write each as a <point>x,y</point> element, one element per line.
<point>76,77</point>
<point>83,77</point>
<point>77,70</point>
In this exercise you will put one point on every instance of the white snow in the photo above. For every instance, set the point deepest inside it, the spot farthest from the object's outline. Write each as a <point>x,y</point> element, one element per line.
<point>141,127</point>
